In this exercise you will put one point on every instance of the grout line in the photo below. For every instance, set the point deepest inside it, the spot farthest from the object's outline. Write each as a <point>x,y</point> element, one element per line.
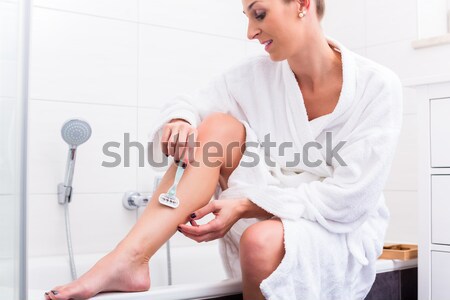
<point>83,14</point>
<point>79,193</point>
<point>92,103</point>
<point>10,2</point>
<point>138,22</point>
<point>7,98</point>
<point>85,103</point>
<point>392,190</point>
<point>391,42</point>
<point>193,31</point>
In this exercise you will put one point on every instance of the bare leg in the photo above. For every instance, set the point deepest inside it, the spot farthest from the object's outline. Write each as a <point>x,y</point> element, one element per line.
<point>258,257</point>
<point>126,267</point>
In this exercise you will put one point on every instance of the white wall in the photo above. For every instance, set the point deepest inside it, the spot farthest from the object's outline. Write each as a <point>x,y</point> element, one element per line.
<point>114,63</point>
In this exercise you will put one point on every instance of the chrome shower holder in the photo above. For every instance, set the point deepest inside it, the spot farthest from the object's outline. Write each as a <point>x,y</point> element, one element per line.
<point>134,200</point>
<point>64,193</point>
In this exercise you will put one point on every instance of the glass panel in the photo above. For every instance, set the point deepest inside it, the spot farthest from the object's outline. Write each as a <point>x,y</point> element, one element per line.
<point>9,20</point>
<point>12,117</point>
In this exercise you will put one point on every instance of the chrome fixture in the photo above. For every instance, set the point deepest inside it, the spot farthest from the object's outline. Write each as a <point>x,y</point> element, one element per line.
<point>134,200</point>
<point>74,132</point>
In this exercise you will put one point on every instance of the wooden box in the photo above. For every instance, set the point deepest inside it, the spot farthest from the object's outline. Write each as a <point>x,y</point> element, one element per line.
<point>399,251</point>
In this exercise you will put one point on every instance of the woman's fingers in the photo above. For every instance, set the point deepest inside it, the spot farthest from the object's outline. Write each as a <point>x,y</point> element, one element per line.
<point>203,238</point>
<point>181,145</point>
<point>201,212</point>
<point>179,140</point>
<point>192,139</point>
<point>199,230</point>
<point>173,139</point>
<point>167,130</point>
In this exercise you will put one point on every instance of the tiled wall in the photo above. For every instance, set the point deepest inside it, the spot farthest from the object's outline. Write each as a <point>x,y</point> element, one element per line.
<point>114,63</point>
<point>9,32</point>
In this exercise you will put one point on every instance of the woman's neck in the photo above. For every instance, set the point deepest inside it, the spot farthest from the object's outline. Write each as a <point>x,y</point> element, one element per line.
<point>314,66</point>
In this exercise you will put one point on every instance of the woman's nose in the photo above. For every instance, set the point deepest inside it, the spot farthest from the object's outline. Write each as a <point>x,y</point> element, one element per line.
<point>252,31</point>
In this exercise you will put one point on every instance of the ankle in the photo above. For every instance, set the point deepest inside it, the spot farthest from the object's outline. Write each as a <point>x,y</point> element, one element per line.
<point>132,252</point>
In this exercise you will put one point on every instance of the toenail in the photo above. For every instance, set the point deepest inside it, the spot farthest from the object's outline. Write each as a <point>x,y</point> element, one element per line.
<point>54,292</point>
<point>46,293</point>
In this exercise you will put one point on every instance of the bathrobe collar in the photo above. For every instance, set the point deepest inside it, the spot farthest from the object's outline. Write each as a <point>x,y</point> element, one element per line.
<point>296,111</point>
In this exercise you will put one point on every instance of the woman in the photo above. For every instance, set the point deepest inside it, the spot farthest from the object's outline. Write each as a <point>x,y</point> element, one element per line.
<point>308,228</point>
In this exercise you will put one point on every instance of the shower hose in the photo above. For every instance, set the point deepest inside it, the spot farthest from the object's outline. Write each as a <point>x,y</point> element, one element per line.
<point>73,269</point>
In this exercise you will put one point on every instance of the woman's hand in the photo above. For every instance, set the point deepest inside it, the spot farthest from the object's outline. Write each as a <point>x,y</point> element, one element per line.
<point>178,140</point>
<point>227,212</point>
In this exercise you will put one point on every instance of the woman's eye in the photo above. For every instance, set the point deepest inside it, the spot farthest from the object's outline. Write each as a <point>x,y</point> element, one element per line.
<point>259,15</point>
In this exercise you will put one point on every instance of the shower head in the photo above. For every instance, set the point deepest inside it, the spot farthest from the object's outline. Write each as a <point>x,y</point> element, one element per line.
<point>75,132</point>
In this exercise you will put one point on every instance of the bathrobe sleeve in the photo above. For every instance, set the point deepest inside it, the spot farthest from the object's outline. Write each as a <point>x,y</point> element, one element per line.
<point>214,97</point>
<point>343,201</point>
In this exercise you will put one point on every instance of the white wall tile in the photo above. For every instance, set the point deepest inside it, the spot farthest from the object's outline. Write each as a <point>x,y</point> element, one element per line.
<point>8,79</point>
<point>48,152</point>
<point>180,62</point>
<point>403,225</point>
<point>146,174</point>
<point>8,153</point>
<point>345,22</point>
<point>217,17</point>
<point>83,59</point>
<point>409,63</point>
<point>98,223</point>
<point>390,21</point>
<point>7,222</point>
<point>120,9</point>
<point>9,30</point>
<point>404,171</point>
<point>8,49</point>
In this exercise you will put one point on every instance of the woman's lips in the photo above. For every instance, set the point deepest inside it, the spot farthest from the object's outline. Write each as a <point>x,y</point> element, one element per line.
<point>267,44</point>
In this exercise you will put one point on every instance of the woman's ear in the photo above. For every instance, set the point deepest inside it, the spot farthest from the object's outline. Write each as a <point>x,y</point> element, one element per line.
<point>303,4</point>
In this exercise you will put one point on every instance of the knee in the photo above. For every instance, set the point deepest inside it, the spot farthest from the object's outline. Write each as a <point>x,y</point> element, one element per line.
<point>222,125</point>
<point>259,242</point>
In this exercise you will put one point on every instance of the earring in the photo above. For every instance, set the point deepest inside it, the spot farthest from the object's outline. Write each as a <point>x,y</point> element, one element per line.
<point>302,14</point>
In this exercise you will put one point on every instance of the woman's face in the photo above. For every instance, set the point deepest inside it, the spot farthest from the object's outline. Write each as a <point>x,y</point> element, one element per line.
<point>276,25</point>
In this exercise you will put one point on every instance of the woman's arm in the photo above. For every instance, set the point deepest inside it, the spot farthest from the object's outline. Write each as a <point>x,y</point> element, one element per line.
<point>247,209</point>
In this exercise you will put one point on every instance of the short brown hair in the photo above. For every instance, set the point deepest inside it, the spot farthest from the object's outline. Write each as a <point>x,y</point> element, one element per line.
<point>320,7</point>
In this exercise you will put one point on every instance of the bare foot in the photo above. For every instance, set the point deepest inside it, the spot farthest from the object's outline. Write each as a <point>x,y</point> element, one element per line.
<point>117,271</point>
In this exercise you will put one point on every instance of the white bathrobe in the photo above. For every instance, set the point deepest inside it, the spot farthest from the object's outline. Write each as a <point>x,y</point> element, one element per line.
<point>334,216</point>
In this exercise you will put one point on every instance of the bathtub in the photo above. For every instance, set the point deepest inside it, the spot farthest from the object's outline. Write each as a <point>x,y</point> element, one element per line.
<point>197,273</point>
